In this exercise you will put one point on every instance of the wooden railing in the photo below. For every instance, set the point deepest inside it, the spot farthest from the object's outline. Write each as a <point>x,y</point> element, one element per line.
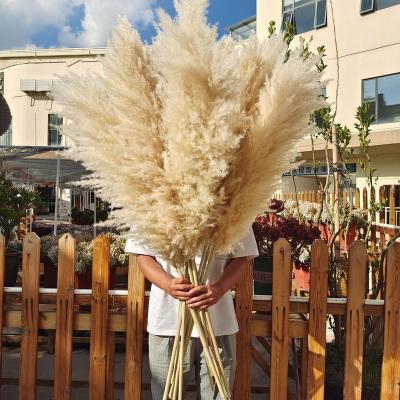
<point>31,308</point>
<point>357,199</point>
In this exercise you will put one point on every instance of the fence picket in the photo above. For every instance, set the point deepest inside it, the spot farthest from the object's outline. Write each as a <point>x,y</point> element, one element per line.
<point>390,389</point>
<point>244,302</point>
<point>64,318</point>
<point>392,206</point>
<point>355,321</point>
<point>282,267</point>
<point>29,317</point>
<point>2,270</point>
<point>317,321</point>
<point>99,319</point>
<point>134,331</point>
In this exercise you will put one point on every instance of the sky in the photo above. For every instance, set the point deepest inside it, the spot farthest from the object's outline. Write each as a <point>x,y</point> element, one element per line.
<point>26,24</point>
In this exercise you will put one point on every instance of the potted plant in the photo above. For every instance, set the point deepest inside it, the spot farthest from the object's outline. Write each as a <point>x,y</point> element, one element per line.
<point>14,201</point>
<point>13,261</point>
<point>48,256</point>
<point>300,235</point>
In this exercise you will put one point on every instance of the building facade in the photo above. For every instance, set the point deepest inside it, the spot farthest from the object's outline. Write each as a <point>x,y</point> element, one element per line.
<point>368,55</point>
<point>26,78</point>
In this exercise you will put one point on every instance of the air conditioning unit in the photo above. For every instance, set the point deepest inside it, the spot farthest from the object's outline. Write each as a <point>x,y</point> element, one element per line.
<point>36,85</point>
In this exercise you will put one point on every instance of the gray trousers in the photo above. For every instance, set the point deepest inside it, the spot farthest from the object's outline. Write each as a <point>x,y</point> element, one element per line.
<point>160,348</point>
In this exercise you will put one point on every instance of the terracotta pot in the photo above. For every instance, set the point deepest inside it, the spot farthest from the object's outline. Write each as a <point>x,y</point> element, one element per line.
<point>84,281</point>
<point>350,237</point>
<point>302,277</point>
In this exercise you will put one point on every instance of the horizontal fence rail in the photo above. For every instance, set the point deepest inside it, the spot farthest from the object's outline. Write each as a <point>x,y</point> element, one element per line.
<point>273,321</point>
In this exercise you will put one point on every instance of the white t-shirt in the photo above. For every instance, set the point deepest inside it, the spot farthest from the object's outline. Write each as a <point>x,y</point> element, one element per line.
<point>163,308</point>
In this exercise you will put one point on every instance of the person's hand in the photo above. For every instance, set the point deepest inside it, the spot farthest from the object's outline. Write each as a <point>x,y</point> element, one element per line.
<point>179,288</point>
<point>204,296</point>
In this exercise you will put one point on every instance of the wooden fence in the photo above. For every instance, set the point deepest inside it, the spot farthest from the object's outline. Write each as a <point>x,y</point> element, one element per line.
<point>357,199</point>
<point>259,318</point>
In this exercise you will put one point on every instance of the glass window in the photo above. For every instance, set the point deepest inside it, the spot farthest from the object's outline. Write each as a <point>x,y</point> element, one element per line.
<point>305,15</point>
<point>367,6</point>
<point>304,18</point>
<point>380,4</point>
<point>320,14</point>
<point>244,30</point>
<point>54,135</point>
<point>6,137</point>
<point>383,93</point>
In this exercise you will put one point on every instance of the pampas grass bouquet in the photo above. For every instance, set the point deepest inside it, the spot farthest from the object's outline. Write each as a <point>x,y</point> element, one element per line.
<point>186,138</point>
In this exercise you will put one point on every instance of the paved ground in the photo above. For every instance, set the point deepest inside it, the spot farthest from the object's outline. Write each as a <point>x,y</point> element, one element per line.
<point>80,364</point>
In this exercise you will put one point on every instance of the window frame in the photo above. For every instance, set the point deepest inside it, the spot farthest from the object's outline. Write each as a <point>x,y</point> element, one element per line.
<point>376,122</point>
<point>292,13</point>
<point>367,11</point>
<point>52,127</point>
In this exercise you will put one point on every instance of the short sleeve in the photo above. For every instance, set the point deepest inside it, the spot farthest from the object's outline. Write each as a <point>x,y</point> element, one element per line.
<point>246,247</point>
<point>132,246</point>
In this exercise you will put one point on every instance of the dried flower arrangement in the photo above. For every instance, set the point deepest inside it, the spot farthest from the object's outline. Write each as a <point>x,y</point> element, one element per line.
<point>186,148</point>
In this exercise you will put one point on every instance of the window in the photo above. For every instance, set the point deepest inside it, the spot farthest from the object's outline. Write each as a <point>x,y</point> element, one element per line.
<point>383,95</point>
<point>305,15</point>
<point>244,29</point>
<point>6,137</point>
<point>54,136</point>
<point>375,5</point>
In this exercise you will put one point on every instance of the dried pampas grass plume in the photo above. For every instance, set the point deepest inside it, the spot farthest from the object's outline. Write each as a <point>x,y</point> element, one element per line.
<point>187,137</point>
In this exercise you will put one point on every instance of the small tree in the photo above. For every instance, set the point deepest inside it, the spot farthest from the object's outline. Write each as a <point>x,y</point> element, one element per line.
<point>14,202</point>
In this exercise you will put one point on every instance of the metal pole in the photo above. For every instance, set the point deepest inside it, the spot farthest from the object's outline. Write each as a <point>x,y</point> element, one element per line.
<point>57,189</point>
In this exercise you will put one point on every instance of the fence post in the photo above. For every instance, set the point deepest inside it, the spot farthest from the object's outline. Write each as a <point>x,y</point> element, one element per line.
<point>357,198</point>
<point>392,212</point>
<point>64,318</point>
<point>244,305</point>
<point>30,317</point>
<point>317,321</point>
<point>355,321</point>
<point>390,389</point>
<point>99,319</point>
<point>134,331</point>
<point>281,280</point>
<point>2,269</point>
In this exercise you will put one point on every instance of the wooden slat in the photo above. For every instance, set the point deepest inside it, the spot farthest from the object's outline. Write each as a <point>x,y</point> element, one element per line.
<point>244,298</point>
<point>390,383</point>
<point>357,198</point>
<point>392,208</point>
<point>317,321</point>
<point>99,319</point>
<point>365,199</point>
<point>260,360</point>
<point>30,317</point>
<point>134,331</point>
<point>281,279</point>
<point>355,321</point>
<point>2,269</point>
<point>64,318</point>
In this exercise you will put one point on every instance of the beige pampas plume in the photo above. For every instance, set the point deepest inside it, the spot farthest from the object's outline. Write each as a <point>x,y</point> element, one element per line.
<point>187,137</point>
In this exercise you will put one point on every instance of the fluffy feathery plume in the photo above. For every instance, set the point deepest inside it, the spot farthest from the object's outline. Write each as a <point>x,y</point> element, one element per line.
<point>188,136</point>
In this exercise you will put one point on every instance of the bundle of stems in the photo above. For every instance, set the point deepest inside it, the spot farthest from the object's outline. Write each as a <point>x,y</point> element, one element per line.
<point>201,320</point>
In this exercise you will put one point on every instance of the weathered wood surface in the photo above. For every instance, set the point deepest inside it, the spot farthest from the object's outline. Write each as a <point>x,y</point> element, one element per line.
<point>99,319</point>
<point>134,331</point>
<point>64,318</point>
<point>282,269</point>
<point>355,322</point>
<point>244,298</point>
<point>390,382</point>
<point>317,321</point>
<point>29,317</point>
